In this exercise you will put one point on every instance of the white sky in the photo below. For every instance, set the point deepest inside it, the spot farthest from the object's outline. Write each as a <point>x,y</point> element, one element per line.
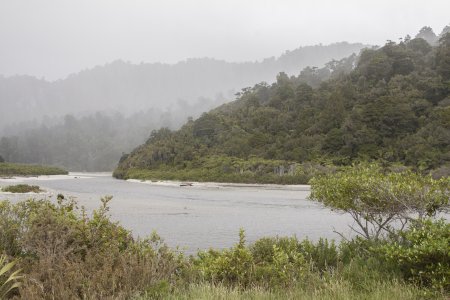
<point>52,38</point>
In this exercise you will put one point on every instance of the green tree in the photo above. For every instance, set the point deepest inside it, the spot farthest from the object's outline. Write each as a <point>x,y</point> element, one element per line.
<point>443,56</point>
<point>377,200</point>
<point>427,34</point>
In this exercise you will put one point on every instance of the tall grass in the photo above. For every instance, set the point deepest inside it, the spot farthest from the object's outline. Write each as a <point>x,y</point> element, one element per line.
<point>334,290</point>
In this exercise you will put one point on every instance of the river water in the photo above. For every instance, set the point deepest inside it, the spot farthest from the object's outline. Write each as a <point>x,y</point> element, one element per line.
<point>199,216</point>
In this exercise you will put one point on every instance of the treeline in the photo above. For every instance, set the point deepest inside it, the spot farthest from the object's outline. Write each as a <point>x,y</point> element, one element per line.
<point>129,88</point>
<point>58,123</point>
<point>91,143</point>
<point>393,107</point>
<point>9,169</point>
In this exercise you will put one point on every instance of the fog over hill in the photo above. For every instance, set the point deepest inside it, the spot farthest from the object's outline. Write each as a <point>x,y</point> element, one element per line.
<point>129,88</point>
<point>87,120</point>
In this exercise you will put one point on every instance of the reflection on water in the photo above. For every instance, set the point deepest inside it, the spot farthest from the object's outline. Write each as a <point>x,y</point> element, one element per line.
<point>199,216</point>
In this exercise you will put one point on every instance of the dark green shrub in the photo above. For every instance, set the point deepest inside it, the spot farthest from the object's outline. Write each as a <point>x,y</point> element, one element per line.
<point>321,255</point>
<point>11,169</point>
<point>267,264</point>
<point>66,254</point>
<point>423,254</point>
<point>22,188</point>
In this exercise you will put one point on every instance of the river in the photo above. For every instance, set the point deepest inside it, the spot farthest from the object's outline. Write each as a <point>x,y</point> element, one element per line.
<point>199,216</point>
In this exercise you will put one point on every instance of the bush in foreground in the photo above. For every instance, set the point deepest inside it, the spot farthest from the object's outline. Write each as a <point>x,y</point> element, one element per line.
<point>66,254</point>
<point>423,254</point>
<point>380,201</point>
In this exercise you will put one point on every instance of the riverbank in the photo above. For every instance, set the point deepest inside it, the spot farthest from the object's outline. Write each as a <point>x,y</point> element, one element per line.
<point>199,216</point>
<point>12,170</point>
<point>197,184</point>
<point>63,252</point>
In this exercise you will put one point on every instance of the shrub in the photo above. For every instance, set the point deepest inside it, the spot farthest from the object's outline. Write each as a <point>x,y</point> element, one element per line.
<point>267,264</point>
<point>65,254</point>
<point>22,188</point>
<point>376,200</point>
<point>321,255</point>
<point>11,169</point>
<point>423,254</point>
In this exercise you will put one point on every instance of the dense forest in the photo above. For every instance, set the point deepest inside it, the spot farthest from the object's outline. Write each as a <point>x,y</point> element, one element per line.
<point>86,121</point>
<point>393,107</point>
<point>94,142</point>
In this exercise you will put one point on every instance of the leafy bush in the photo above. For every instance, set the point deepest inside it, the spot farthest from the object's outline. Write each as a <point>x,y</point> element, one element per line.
<point>22,188</point>
<point>423,254</point>
<point>65,254</point>
<point>244,267</point>
<point>377,200</point>
<point>321,256</point>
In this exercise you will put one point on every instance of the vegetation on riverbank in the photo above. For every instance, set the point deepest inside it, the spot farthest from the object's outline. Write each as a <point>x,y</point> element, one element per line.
<point>12,169</point>
<point>394,107</point>
<point>22,188</point>
<point>233,169</point>
<point>66,254</point>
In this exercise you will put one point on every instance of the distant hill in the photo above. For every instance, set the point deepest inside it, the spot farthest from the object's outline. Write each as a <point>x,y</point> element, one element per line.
<point>394,107</point>
<point>86,121</point>
<point>129,88</point>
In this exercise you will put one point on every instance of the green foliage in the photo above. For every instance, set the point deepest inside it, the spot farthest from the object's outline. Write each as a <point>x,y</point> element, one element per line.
<point>66,254</point>
<point>334,289</point>
<point>9,279</point>
<point>443,57</point>
<point>321,256</point>
<point>22,188</point>
<point>10,169</point>
<point>393,107</point>
<point>422,254</point>
<point>245,267</point>
<point>231,169</point>
<point>377,199</point>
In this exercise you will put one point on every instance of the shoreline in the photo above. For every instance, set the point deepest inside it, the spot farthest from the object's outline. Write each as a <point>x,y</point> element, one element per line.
<point>168,183</point>
<point>197,184</point>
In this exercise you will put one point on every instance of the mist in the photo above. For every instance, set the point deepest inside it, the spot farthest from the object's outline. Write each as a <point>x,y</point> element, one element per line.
<point>52,39</point>
<point>83,82</point>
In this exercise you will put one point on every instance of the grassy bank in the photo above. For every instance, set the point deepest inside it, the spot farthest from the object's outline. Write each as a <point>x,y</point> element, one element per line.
<point>11,169</point>
<point>334,290</point>
<point>231,170</point>
<point>202,175</point>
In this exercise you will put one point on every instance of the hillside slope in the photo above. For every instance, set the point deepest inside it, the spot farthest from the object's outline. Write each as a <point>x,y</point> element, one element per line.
<point>394,107</point>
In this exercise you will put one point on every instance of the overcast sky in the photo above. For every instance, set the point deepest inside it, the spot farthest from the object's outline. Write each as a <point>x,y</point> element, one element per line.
<point>53,38</point>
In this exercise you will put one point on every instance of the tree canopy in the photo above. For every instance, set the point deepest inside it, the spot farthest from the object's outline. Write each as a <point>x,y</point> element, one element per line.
<point>392,106</point>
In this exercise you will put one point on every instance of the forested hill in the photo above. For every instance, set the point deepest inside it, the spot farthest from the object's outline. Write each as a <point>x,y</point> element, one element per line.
<point>394,107</point>
<point>129,88</point>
